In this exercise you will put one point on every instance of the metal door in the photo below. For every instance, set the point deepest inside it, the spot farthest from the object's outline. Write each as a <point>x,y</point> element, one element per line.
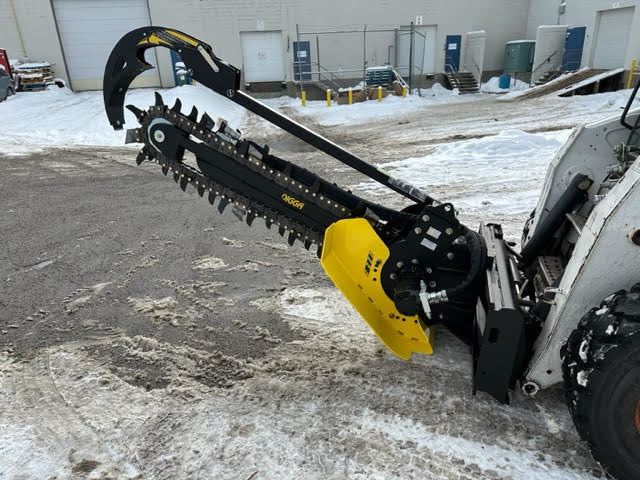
<point>301,60</point>
<point>573,44</point>
<point>452,53</point>
<point>612,37</point>
<point>262,56</point>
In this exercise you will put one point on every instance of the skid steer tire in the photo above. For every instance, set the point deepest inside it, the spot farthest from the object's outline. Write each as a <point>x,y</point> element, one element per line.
<point>601,369</point>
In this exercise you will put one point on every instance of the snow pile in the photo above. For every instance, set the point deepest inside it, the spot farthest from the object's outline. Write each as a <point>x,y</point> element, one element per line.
<point>493,86</point>
<point>488,177</point>
<point>58,117</point>
<point>605,101</point>
<point>390,107</point>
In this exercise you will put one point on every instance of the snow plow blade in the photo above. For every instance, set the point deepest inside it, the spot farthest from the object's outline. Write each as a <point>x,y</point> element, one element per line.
<point>353,256</point>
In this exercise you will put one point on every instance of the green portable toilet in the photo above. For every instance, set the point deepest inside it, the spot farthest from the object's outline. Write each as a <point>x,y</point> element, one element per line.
<point>518,55</point>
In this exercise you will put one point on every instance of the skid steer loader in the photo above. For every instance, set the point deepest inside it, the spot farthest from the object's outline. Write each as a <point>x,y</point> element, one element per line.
<point>566,308</point>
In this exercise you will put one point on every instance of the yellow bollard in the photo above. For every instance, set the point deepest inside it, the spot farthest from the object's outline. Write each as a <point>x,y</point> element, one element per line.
<point>328,97</point>
<point>350,96</point>
<point>404,92</point>
<point>632,72</point>
<point>379,94</point>
<point>303,97</point>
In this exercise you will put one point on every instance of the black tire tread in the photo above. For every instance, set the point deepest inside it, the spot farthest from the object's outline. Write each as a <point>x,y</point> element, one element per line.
<point>608,335</point>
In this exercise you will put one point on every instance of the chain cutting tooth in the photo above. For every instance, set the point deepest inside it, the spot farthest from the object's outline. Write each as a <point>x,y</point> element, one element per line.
<point>165,170</point>
<point>250,217</point>
<point>307,244</point>
<point>142,156</point>
<point>281,230</point>
<point>224,201</point>
<point>137,112</point>
<point>193,116</point>
<point>177,106</point>
<point>292,238</point>
<point>159,101</point>
<point>201,189</point>
<point>176,176</point>
<point>212,197</point>
<point>184,181</point>
<point>207,122</point>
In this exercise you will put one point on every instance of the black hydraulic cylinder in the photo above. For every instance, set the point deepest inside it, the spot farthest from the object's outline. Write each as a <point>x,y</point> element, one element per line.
<point>573,195</point>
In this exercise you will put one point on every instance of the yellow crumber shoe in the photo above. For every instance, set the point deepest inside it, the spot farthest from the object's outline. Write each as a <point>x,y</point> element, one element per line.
<point>353,256</point>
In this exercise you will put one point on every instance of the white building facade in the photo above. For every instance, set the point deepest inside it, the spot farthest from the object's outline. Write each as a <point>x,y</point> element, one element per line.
<point>259,36</point>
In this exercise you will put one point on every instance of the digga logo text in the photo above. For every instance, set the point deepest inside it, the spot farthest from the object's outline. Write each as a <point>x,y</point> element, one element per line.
<point>292,201</point>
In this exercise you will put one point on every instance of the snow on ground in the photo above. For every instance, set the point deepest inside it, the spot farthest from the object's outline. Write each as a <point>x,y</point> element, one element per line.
<point>58,117</point>
<point>325,407</point>
<point>486,178</point>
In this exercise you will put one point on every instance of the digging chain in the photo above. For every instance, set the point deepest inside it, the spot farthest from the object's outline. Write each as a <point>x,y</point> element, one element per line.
<point>295,193</point>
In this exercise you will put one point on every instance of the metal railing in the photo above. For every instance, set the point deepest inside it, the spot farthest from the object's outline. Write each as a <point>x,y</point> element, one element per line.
<point>451,68</point>
<point>546,60</point>
<point>322,72</point>
<point>534,70</point>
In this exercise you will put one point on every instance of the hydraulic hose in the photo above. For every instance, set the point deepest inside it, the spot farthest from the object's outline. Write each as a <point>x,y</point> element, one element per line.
<point>478,254</point>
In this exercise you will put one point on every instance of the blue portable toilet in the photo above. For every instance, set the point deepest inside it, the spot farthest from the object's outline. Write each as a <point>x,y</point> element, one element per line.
<point>504,81</point>
<point>573,45</point>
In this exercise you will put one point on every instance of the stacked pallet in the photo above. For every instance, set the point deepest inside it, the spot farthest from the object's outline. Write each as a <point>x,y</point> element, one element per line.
<point>33,76</point>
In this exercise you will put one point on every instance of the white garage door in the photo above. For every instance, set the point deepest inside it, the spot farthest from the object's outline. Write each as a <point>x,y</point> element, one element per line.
<point>89,29</point>
<point>262,56</point>
<point>612,38</point>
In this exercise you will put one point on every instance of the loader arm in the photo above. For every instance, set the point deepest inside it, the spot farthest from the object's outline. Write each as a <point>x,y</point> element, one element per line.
<point>404,271</point>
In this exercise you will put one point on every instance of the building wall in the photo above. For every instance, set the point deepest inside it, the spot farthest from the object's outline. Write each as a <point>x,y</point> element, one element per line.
<point>220,23</point>
<point>9,37</point>
<point>584,13</point>
<point>38,31</point>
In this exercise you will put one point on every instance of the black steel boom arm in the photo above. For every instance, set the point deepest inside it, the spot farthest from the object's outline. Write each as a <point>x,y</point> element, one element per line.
<point>127,61</point>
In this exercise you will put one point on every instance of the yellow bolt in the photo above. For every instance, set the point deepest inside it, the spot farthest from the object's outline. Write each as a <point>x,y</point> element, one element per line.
<point>304,98</point>
<point>404,92</point>
<point>379,93</point>
<point>350,95</point>
<point>328,97</point>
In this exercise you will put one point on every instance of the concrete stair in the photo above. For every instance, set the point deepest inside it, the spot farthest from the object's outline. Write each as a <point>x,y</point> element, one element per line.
<point>465,82</point>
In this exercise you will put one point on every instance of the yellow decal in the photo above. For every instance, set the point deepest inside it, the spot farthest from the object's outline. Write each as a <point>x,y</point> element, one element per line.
<point>185,38</point>
<point>156,39</point>
<point>153,39</point>
<point>292,201</point>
